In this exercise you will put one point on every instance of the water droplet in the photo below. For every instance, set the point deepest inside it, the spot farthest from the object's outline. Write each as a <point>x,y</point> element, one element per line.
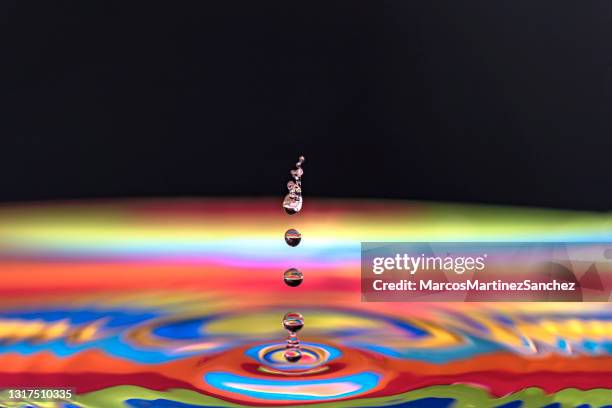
<point>294,187</point>
<point>608,253</point>
<point>293,237</point>
<point>293,341</point>
<point>293,355</point>
<point>293,277</point>
<point>297,173</point>
<point>292,203</point>
<point>293,322</point>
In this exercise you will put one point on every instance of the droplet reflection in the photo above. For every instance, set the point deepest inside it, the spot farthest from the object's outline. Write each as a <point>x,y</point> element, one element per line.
<point>293,237</point>
<point>292,203</point>
<point>293,355</point>
<point>293,277</point>
<point>293,322</point>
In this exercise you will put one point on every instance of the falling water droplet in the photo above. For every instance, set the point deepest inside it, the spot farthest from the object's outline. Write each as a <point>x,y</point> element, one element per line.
<point>297,173</point>
<point>293,322</point>
<point>293,237</point>
<point>294,187</point>
<point>293,355</point>
<point>292,203</point>
<point>293,277</point>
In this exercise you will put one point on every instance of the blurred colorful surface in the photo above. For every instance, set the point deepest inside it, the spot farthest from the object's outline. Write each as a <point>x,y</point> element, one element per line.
<point>178,303</point>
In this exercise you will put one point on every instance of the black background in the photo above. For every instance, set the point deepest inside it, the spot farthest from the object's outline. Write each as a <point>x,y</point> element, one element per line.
<point>506,102</point>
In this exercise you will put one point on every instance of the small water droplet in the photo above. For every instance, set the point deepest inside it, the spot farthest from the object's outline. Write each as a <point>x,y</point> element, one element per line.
<point>292,203</point>
<point>293,237</point>
<point>608,253</point>
<point>297,173</point>
<point>293,277</point>
<point>293,355</point>
<point>293,322</point>
<point>293,341</point>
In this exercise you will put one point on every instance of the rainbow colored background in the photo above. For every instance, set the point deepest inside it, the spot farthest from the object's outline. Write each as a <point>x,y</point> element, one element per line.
<point>178,303</point>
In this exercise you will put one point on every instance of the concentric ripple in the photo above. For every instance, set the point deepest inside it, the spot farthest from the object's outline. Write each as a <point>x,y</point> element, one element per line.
<point>313,356</point>
<point>294,390</point>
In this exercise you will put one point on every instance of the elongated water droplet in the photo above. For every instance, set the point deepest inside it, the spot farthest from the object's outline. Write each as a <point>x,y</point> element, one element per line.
<point>293,237</point>
<point>293,355</point>
<point>293,322</point>
<point>292,203</point>
<point>293,277</point>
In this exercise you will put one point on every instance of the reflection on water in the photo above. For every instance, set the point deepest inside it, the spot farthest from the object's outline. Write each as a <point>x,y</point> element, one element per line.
<point>350,353</point>
<point>156,305</point>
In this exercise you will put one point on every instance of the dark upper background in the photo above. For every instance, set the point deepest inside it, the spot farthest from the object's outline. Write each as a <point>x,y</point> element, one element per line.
<point>487,102</point>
